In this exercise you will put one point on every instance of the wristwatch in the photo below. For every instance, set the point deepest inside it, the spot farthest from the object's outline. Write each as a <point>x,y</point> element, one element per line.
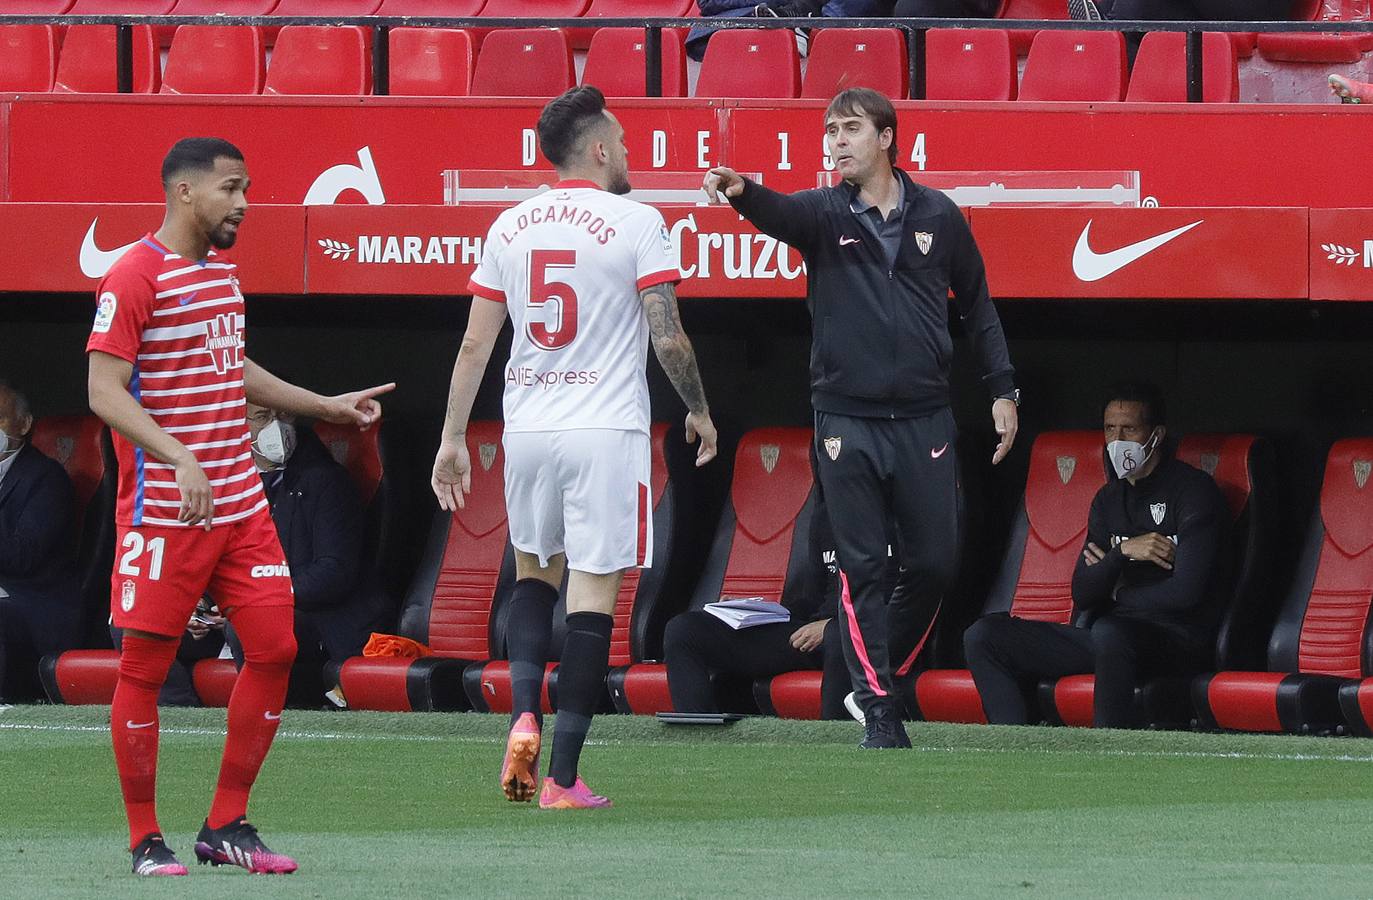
<point>1013,396</point>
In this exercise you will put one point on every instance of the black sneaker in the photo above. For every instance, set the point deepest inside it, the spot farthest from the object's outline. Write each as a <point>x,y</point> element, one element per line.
<point>883,731</point>
<point>152,857</point>
<point>1083,11</point>
<point>237,844</point>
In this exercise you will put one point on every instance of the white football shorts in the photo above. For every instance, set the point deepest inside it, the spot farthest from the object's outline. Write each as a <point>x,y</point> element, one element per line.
<point>584,492</point>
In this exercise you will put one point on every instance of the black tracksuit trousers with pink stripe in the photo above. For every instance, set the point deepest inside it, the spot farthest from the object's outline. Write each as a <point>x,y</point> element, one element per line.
<point>874,471</point>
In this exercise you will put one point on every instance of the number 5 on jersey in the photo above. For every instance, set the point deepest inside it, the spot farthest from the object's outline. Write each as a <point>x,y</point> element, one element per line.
<point>133,548</point>
<point>551,329</point>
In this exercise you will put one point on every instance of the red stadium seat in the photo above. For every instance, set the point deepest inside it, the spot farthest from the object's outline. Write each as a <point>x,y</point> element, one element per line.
<point>1075,65</point>
<point>628,9</point>
<point>791,695</point>
<point>524,62</point>
<point>760,546</point>
<point>1035,578</point>
<point>644,593</point>
<point>463,578</point>
<point>615,63</point>
<point>1319,644</point>
<point>534,9</point>
<point>1243,467</point>
<point>34,7</point>
<point>215,59</point>
<point>431,62</point>
<point>80,677</point>
<point>327,8</point>
<point>856,57</point>
<point>430,7</point>
<point>1160,73</point>
<point>166,33</point>
<point>312,59</point>
<point>750,63</point>
<point>1030,9</point>
<point>75,442</point>
<point>121,7</point>
<point>87,62</point>
<point>28,57</point>
<point>969,64</point>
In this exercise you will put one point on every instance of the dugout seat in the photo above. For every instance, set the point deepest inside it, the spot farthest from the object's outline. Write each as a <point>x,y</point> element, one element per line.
<point>213,680</point>
<point>969,64</point>
<point>1035,577</point>
<point>524,62</point>
<point>215,59</point>
<point>455,597</point>
<point>371,458</point>
<point>534,9</point>
<point>1245,470</point>
<point>80,677</point>
<point>643,592</point>
<point>316,59</point>
<point>628,9</point>
<point>747,63</point>
<point>760,548</point>
<point>615,63</point>
<point>1160,72</point>
<point>431,62</point>
<point>121,7</point>
<point>82,445</point>
<point>1084,66</point>
<point>86,64</point>
<point>842,58</point>
<point>1030,9</point>
<point>28,57</point>
<point>1321,640</point>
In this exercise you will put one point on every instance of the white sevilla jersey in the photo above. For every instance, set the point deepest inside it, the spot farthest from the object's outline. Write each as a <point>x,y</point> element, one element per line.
<point>569,265</point>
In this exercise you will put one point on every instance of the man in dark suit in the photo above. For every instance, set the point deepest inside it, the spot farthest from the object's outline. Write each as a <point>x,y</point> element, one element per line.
<point>39,600</point>
<point>320,521</point>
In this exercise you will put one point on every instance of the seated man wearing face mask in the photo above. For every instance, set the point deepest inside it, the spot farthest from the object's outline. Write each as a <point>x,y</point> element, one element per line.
<point>1145,588</point>
<point>39,605</point>
<point>320,521</point>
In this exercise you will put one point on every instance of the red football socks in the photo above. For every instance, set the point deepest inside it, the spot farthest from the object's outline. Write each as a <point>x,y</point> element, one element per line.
<point>269,648</point>
<point>143,665</point>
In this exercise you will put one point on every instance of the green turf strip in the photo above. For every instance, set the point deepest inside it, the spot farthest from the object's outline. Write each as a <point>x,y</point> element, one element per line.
<point>378,805</point>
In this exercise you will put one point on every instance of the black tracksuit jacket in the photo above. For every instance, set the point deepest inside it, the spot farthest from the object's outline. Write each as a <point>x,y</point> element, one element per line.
<point>881,346</point>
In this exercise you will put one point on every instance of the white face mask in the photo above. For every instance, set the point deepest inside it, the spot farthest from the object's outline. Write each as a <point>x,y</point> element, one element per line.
<point>1128,457</point>
<point>276,442</point>
<point>9,444</point>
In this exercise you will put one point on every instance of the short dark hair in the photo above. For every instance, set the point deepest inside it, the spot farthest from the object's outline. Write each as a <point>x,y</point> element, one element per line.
<point>861,101</point>
<point>1141,392</point>
<point>566,120</point>
<point>22,409</point>
<point>197,154</point>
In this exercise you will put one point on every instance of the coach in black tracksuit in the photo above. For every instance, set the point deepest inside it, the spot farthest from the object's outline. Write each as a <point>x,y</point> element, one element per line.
<point>1145,590</point>
<point>883,253</point>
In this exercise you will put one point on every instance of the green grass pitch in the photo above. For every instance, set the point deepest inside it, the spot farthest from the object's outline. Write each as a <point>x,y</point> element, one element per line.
<point>380,805</point>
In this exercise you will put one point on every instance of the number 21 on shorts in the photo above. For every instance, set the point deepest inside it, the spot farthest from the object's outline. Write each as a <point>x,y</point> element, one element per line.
<point>542,291</point>
<point>134,547</point>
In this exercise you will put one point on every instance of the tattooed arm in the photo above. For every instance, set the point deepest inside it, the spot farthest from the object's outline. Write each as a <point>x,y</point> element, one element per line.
<point>674,352</point>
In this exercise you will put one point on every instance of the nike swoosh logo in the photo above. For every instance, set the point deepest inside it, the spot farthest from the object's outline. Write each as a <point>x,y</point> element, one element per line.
<point>94,261</point>
<point>935,454</point>
<point>845,240</point>
<point>1089,265</point>
<point>129,723</point>
<point>271,718</point>
<point>185,301</point>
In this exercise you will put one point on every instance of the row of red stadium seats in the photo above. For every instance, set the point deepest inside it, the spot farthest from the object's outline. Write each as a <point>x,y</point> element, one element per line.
<point>1303,663</point>
<point>963,65</point>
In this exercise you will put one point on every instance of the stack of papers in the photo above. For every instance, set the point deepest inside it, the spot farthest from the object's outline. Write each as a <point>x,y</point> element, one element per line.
<point>746,612</point>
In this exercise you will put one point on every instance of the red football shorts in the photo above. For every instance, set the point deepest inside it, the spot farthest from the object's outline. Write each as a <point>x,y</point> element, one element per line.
<point>160,572</point>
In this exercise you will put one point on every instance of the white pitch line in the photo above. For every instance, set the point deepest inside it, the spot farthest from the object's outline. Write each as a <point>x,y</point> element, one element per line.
<point>465,739</point>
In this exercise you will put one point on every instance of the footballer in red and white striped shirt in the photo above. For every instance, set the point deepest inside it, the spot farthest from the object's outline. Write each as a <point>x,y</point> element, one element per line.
<point>169,375</point>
